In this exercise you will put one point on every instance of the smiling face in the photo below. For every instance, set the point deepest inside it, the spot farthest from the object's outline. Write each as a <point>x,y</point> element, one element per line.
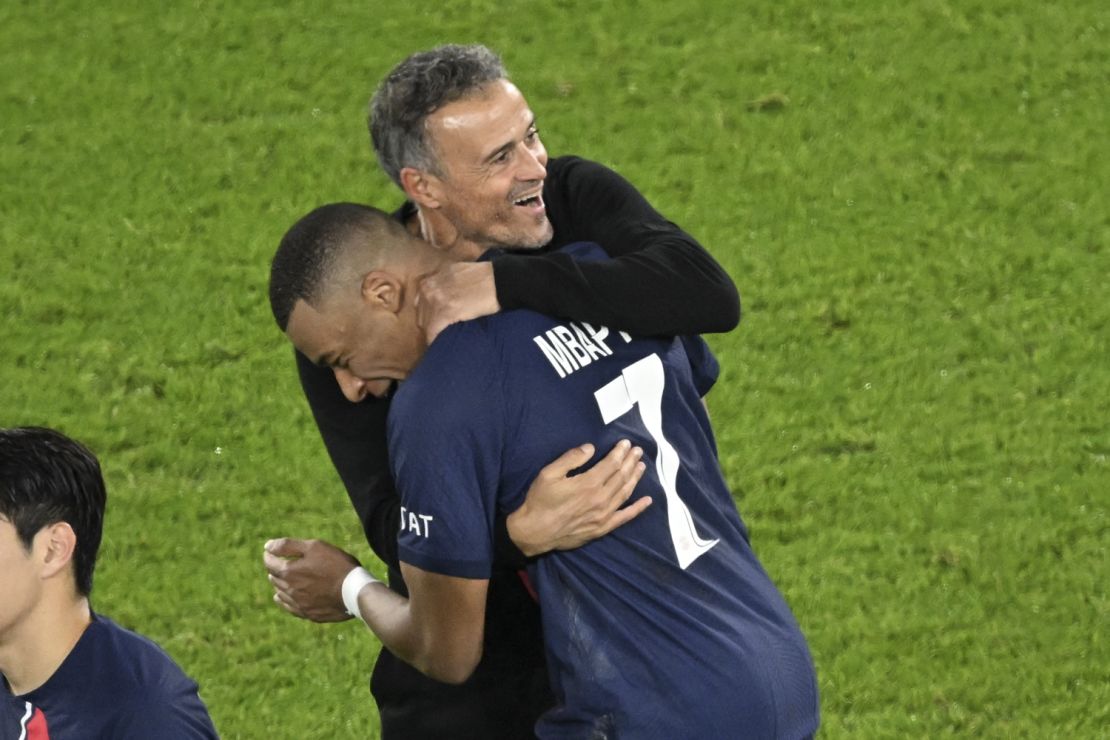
<point>370,341</point>
<point>493,167</point>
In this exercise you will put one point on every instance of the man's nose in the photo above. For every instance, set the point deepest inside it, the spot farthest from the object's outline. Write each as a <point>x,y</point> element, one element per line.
<point>534,163</point>
<point>353,387</point>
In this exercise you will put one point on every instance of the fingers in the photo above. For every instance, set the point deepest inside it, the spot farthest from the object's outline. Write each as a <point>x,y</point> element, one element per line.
<point>425,309</point>
<point>275,566</point>
<point>617,463</point>
<point>612,472</point>
<point>457,292</point>
<point>275,569</point>
<point>288,604</point>
<point>279,583</point>
<point>628,480</point>
<point>625,515</point>
<point>629,465</point>
<point>573,458</point>
<point>282,596</point>
<point>430,315</point>
<point>432,328</point>
<point>286,547</point>
<point>431,306</point>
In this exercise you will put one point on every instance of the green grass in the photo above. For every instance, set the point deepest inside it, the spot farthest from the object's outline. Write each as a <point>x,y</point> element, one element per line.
<point>913,414</point>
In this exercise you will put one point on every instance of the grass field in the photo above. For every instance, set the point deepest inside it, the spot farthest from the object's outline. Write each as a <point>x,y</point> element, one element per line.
<point>912,199</point>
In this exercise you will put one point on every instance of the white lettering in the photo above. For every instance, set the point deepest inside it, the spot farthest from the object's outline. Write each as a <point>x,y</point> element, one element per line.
<point>598,334</point>
<point>591,347</point>
<point>557,355</point>
<point>572,344</point>
<point>417,523</point>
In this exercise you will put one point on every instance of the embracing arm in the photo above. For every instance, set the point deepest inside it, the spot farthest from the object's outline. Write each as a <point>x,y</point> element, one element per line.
<point>660,280</point>
<point>562,511</point>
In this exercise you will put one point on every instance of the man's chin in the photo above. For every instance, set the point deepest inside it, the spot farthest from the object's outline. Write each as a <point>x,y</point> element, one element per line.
<point>538,238</point>
<point>523,237</point>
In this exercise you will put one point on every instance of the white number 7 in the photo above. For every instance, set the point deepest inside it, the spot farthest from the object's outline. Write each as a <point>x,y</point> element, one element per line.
<point>642,383</point>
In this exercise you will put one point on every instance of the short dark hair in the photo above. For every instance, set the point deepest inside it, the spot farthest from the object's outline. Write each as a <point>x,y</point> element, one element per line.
<point>308,251</point>
<point>417,87</point>
<point>46,478</point>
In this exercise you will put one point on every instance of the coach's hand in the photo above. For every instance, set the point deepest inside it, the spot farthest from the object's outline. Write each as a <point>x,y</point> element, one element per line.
<point>563,511</point>
<point>307,576</point>
<point>457,292</point>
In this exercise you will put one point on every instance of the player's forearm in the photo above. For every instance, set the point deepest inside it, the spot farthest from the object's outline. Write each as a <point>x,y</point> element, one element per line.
<point>390,616</point>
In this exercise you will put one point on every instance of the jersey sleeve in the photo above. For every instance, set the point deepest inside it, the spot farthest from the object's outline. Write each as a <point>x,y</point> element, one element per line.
<point>168,715</point>
<point>661,281</point>
<point>446,437</point>
<point>165,723</point>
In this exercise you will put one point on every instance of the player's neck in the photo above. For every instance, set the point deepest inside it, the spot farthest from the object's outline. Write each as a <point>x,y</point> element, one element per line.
<point>31,651</point>
<point>442,234</point>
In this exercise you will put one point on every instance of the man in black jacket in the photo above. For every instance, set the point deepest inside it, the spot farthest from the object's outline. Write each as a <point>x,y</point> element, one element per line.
<point>459,139</point>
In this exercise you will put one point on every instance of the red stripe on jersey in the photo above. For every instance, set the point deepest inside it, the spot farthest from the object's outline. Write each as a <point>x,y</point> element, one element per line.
<point>36,728</point>
<point>528,585</point>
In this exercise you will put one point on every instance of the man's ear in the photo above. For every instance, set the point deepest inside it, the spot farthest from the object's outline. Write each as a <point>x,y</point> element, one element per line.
<point>382,289</point>
<point>422,188</point>
<point>55,544</point>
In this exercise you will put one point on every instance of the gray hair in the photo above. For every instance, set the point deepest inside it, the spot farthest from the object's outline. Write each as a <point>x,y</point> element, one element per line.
<point>417,87</point>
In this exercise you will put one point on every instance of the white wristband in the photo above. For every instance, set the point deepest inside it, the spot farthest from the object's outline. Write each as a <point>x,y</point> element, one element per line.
<point>352,585</point>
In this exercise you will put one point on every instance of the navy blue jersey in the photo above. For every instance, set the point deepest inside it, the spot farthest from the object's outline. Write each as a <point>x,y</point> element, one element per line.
<point>113,684</point>
<point>666,628</point>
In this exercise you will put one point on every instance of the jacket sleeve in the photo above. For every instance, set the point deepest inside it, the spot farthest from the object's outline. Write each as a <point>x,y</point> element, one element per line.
<point>355,437</point>
<point>660,280</point>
